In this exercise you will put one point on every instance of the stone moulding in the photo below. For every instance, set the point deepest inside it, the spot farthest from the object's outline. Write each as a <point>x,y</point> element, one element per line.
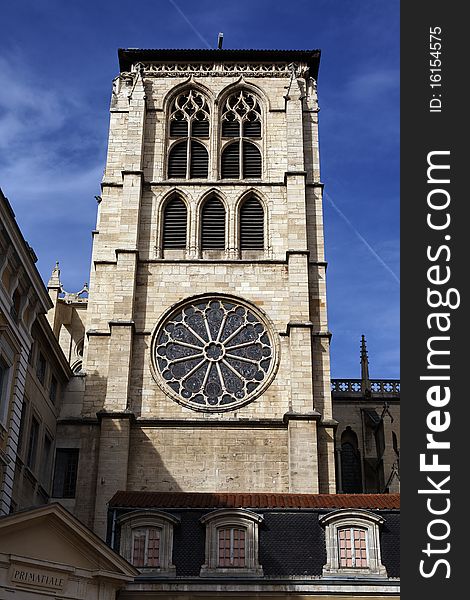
<point>218,69</point>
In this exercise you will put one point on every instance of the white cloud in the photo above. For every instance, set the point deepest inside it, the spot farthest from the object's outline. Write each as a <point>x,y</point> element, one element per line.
<point>367,86</point>
<point>51,151</point>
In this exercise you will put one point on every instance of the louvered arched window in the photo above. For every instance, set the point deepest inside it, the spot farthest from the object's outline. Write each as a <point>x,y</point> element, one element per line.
<point>350,463</point>
<point>241,124</point>
<point>175,216</point>
<point>188,157</point>
<point>213,225</point>
<point>251,224</point>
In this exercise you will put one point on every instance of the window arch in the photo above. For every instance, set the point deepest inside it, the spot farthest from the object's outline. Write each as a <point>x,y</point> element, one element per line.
<point>241,124</point>
<point>175,219</point>
<point>188,157</point>
<point>251,224</point>
<point>213,224</point>
<point>353,543</point>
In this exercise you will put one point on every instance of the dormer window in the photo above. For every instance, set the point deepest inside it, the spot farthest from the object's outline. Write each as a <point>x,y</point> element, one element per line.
<point>353,543</point>
<point>147,541</point>
<point>146,547</point>
<point>232,543</point>
<point>231,547</point>
<point>353,550</point>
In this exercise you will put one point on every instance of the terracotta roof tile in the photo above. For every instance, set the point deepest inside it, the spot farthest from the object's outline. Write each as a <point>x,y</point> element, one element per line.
<point>248,500</point>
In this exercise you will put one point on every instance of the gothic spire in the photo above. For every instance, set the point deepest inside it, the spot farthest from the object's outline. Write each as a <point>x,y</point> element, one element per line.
<point>54,280</point>
<point>365,381</point>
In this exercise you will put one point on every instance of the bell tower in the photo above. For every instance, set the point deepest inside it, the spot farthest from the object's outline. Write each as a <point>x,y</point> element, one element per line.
<point>206,355</point>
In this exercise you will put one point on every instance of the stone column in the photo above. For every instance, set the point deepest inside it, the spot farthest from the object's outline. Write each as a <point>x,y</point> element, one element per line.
<point>317,288</point>
<point>116,416</point>
<point>113,458</point>
<point>301,418</point>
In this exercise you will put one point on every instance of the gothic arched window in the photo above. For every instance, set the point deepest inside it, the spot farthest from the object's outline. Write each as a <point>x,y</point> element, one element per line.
<point>175,217</point>
<point>188,157</point>
<point>213,225</point>
<point>251,224</point>
<point>241,124</point>
<point>350,463</point>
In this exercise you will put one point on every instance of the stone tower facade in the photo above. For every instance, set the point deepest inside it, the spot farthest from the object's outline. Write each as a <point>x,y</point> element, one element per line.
<point>206,346</point>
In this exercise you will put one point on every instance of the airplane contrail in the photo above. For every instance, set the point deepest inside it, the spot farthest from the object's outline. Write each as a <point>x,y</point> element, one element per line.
<point>361,237</point>
<point>199,35</point>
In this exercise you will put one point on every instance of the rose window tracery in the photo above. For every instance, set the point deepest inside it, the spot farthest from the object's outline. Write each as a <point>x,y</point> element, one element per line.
<point>214,353</point>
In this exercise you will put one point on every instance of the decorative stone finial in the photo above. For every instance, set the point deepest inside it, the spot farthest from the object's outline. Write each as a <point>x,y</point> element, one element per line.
<point>54,280</point>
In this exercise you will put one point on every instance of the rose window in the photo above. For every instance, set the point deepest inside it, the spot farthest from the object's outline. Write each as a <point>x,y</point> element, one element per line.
<point>214,354</point>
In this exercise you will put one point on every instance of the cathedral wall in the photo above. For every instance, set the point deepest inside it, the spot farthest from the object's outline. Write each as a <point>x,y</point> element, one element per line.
<point>149,401</point>
<point>273,198</point>
<point>194,459</point>
<point>160,285</point>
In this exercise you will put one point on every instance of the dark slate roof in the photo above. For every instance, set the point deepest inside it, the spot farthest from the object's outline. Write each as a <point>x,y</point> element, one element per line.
<point>291,542</point>
<point>390,543</point>
<point>128,56</point>
<point>181,500</point>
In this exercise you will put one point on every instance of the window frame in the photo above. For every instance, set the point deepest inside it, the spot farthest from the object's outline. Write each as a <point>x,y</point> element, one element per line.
<point>23,426</point>
<point>358,519</point>
<point>33,443</point>
<point>146,531</point>
<point>129,522</point>
<point>225,141</point>
<point>70,451</point>
<point>220,250</point>
<point>251,252</point>
<point>225,518</point>
<point>173,252</point>
<point>41,361</point>
<point>46,459</point>
<point>5,388</point>
<point>189,138</point>
<point>53,389</point>
<point>235,534</point>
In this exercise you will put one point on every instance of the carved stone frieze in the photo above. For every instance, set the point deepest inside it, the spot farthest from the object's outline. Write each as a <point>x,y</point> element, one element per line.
<point>219,69</point>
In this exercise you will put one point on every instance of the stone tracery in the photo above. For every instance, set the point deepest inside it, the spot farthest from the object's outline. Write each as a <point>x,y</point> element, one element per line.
<point>214,354</point>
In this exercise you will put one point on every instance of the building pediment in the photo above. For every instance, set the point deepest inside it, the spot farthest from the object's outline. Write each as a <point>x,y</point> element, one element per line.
<point>48,549</point>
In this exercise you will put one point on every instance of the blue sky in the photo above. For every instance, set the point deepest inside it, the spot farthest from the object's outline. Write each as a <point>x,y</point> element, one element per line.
<point>57,62</point>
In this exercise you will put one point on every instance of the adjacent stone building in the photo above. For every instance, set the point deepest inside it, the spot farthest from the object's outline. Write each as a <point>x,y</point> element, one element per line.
<point>33,373</point>
<point>368,432</point>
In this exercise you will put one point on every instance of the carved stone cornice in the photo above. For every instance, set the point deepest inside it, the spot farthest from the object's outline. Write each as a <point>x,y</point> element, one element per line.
<point>218,69</point>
